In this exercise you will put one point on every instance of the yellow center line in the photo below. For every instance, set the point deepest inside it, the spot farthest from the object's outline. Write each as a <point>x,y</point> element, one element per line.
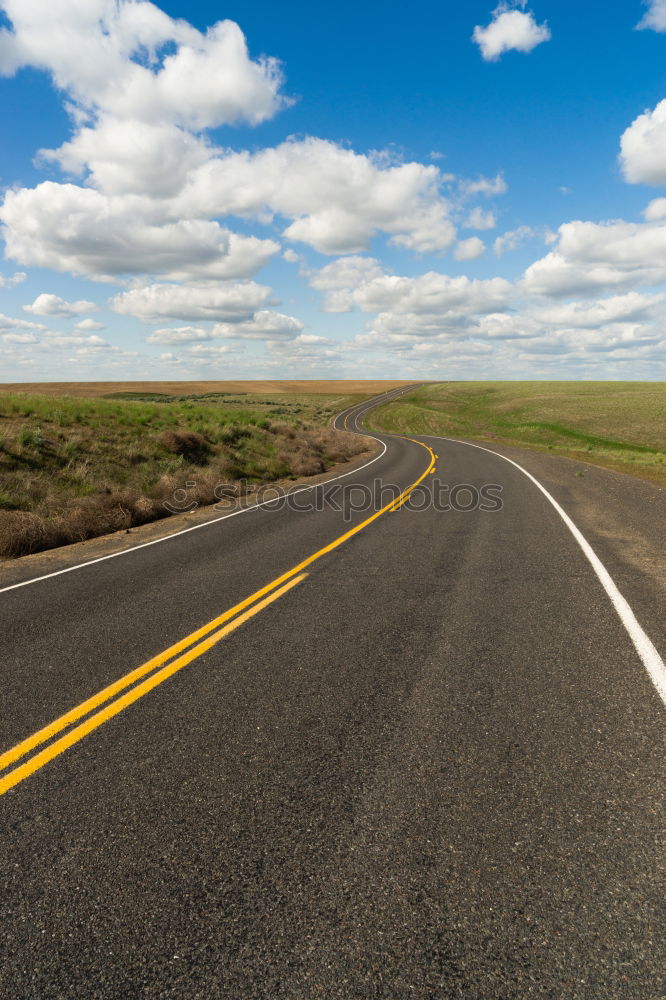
<point>107,693</point>
<point>23,771</point>
<point>42,735</point>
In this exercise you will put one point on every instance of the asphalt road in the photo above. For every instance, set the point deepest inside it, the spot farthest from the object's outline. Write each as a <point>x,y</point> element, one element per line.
<point>427,763</point>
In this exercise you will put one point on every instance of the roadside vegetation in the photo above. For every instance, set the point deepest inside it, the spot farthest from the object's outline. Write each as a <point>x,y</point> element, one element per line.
<point>76,468</point>
<point>618,425</point>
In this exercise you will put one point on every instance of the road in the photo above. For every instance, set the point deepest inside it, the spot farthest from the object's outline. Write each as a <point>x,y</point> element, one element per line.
<point>357,746</point>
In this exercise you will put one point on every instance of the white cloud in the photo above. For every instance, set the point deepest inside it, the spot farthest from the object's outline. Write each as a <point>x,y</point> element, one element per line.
<point>656,210</point>
<point>643,148</point>
<point>10,323</point>
<point>230,303</point>
<point>210,350</point>
<point>308,353</point>
<point>655,15</point>
<point>149,189</point>
<point>89,325</point>
<point>336,199</point>
<point>593,257</point>
<point>339,279</point>
<point>141,87</point>
<point>126,156</point>
<point>504,326</point>
<point>487,186</point>
<point>469,249</point>
<point>80,230</point>
<point>179,335</point>
<point>312,338</point>
<point>16,279</point>
<point>87,341</point>
<point>430,306</point>
<point>594,314</point>
<point>131,60</point>
<point>20,338</point>
<point>264,325</point>
<point>47,304</point>
<point>509,29</point>
<point>433,293</point>
<point>512,239</point>
<point>478,219</point>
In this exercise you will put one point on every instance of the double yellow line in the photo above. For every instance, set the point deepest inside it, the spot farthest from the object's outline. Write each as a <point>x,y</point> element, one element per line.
<point>138,682</point>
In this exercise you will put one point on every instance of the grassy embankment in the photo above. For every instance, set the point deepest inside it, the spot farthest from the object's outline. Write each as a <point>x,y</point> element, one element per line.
<point>76,468</point>
<point>618,425</point>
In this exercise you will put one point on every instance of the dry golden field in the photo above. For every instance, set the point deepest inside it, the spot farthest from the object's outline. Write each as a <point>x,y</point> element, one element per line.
<point>344,387</point>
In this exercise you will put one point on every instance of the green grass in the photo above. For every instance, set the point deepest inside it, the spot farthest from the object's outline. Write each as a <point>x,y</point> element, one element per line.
<point>103,463</point>
<point>618,425</point>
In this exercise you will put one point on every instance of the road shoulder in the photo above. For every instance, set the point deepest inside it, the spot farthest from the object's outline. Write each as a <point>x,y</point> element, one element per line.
<point>622,517</point>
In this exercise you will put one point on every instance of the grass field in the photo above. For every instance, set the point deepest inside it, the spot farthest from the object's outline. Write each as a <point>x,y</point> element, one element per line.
<point>618,425</point>
<point>73,467</point>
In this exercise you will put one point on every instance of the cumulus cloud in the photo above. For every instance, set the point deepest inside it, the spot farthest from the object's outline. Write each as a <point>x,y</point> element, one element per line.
<point>643,148</point>
<point>503,326</point>
<point>656,210</point>
<point>333,199</point>
<point>509,29</point>
<point>336,198</point>
<point>593,257</point>
<point>264,325</point>
<point>210,350</point>
<point>655,15</point>
<point>80,340</point>
<point>52,305</point>
<point>20,338</point>
<point>11,282</point>
<point>141,86</point>
<point>429,306</point>
<point>125,156</point>
<point>69,228</point>
<point>433,293</point>
<point>231,303</point>
<point>469,249</point>
<point>478,219</point>
<point>512,239</point>
<point>594,314</point>
<point>306,353</point>
<point>88,325</point>
<point>179,335</point>
<point>487,186</point>
<point>339,279</point>
<point>10,323</point>
<point>132,60</point>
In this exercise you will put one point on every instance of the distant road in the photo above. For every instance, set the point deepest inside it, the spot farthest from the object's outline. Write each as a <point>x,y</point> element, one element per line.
<point>357,746</point>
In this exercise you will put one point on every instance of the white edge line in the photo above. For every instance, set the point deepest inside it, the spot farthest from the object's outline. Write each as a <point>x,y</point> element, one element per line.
<point>646,650</point>
<point>215,520</point>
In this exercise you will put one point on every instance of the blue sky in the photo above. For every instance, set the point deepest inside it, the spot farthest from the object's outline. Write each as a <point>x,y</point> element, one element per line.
<point>452,190</point>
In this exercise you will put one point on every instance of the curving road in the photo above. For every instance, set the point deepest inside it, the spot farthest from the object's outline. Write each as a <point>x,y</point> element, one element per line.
<point>354,746</point>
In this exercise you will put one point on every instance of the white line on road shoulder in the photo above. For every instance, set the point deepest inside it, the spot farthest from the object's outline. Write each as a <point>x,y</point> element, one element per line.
<point>650,658</point>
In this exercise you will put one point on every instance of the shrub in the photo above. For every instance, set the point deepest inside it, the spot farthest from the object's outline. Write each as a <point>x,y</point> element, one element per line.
<point>192,446</point>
